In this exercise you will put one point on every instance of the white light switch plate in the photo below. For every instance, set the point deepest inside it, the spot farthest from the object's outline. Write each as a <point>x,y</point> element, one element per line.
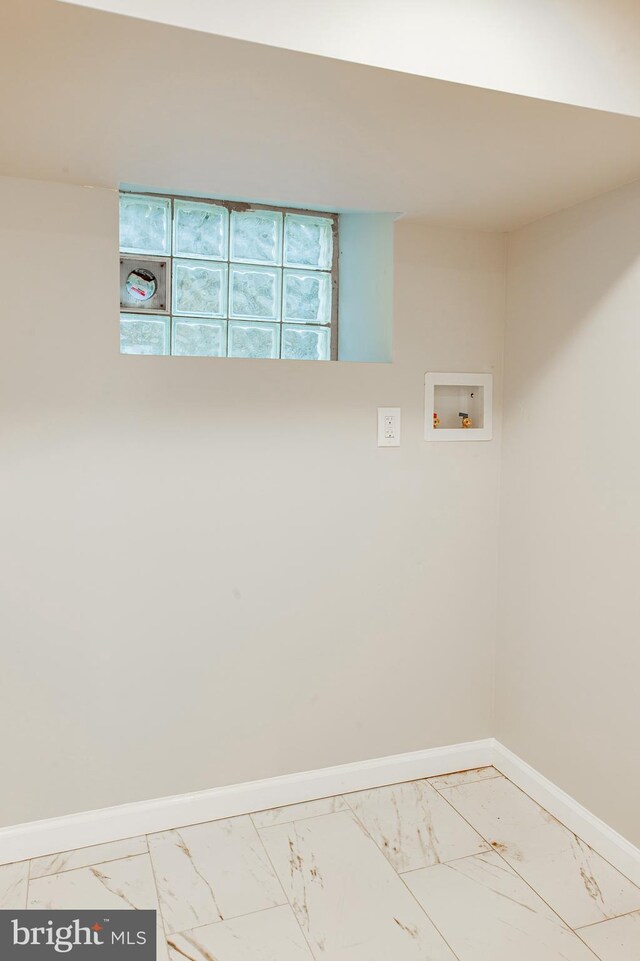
<point>388,426</point>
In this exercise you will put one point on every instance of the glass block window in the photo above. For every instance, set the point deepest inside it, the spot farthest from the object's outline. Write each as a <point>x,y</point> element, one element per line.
<point>212,278</point>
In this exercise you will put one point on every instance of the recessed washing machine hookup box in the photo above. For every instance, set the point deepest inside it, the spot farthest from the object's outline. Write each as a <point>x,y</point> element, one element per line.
<point>458,407</point>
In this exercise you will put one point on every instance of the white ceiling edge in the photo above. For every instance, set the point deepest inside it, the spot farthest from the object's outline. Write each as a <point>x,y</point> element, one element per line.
<point>581,52</point>
<point>102,99</point>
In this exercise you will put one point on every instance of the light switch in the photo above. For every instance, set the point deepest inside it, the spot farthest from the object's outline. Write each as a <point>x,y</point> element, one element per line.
<point>388,426</point>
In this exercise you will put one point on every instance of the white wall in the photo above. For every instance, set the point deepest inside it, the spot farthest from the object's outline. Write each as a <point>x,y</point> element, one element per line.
<point>584,52</point>
<point>210,573</point>
<point>569,653</point>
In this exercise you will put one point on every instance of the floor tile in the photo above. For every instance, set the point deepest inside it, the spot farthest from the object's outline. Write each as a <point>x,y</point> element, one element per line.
<point>487,913</point>
<point>616,940</point>
<point>298,812</point>
<point>121,884</point>
<point>579,885</point>
<point>211,872</point>
<point>413,826</point>
<point>348,900</point>
<point>464,777</point>
<point>82,857</point>
<point>272,935</point>
<point>13,885</point>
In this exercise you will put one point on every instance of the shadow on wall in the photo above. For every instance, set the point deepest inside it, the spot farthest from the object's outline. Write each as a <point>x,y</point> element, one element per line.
<point>586,251</point>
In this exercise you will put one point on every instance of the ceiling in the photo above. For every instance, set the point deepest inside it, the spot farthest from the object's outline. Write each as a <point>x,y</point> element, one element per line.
<point>101,99</point>
<point>584,52</point>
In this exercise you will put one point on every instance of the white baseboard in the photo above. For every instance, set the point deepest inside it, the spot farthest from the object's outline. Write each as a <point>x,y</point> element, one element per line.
<point>608,843</point>
<point>38,838</point>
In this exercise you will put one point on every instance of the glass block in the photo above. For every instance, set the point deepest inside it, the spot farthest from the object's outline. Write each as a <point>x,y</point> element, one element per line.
<point>200,230</point>
<point>145,224</point>
<point>307,296</point>
<point>141,334</point>
<point>199,338</point>
<point>254,292</point>
<point>306,343</point>
<point>256,236</point>
<point>253,340</point>
<point>308,241</point>
<point>199,288</point>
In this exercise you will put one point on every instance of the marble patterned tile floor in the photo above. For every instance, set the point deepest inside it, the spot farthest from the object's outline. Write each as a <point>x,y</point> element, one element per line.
<point>462,867</point>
